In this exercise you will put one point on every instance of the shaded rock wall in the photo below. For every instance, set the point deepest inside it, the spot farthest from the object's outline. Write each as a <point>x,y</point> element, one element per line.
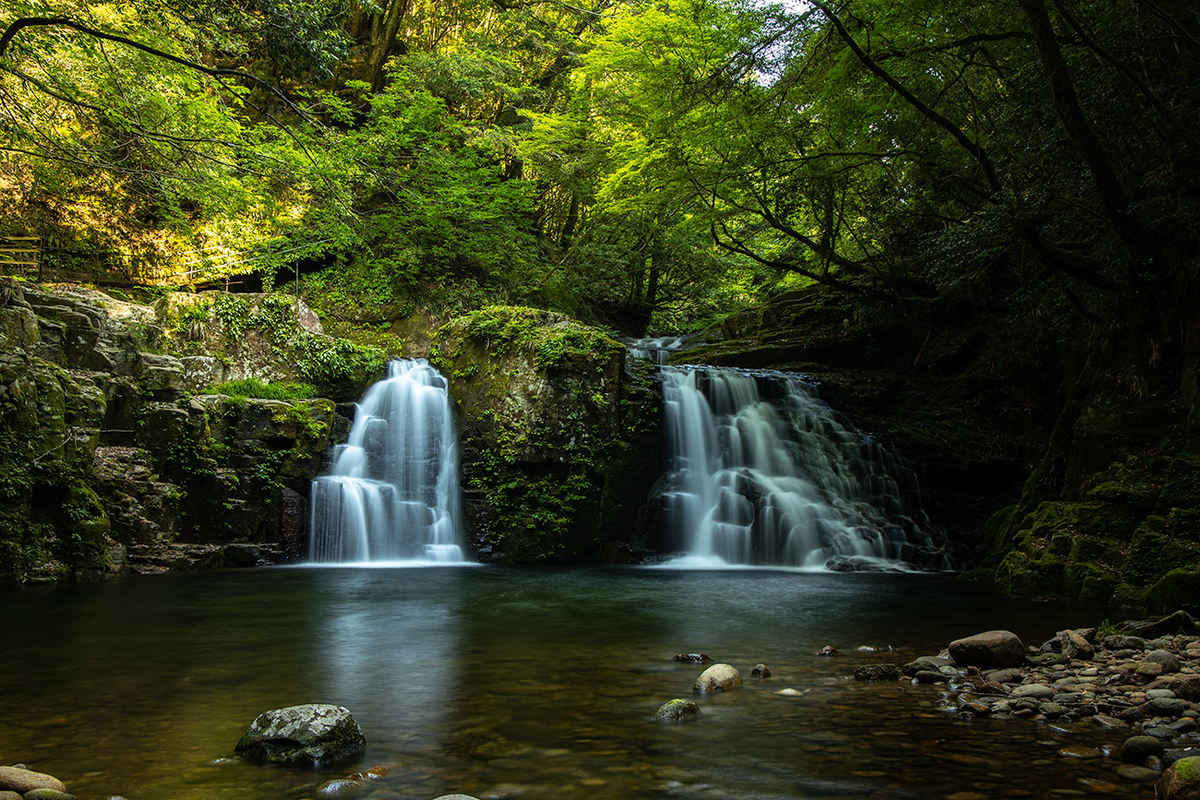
<point>560,437</point>
<point>106,464</point>
<point>1064,465</point>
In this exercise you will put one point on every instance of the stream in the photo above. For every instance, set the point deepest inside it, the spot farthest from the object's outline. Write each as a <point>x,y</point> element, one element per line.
<point>522,683</point>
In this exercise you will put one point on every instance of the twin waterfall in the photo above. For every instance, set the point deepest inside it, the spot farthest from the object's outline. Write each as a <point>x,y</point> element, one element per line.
<point>393,494</point>
<point>760,472</point>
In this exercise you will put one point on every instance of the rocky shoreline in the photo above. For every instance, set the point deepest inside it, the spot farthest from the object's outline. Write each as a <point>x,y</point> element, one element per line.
<point>1137,678</point>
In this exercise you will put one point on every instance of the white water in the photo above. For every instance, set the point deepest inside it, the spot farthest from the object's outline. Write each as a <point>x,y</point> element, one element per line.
<point>778,482</point>
<point>393,494</point>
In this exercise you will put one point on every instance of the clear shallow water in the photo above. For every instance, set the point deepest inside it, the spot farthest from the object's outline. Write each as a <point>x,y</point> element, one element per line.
<point>518,682</point>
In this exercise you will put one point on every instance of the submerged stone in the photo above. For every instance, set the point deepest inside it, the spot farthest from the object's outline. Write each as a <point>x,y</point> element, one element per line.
<point>307,734</point>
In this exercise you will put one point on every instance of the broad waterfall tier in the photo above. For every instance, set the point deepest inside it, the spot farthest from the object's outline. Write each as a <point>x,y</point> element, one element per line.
<point>393,494</point>
<point>762,472</point>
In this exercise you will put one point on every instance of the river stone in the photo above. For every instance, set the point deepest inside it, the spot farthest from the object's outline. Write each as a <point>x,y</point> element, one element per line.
<point>454,797</point>
<point>716,678</point>
<point>48,794</point>
<point>760,671</point>
<point>1170,663</point>
<point>676,710</point>
<point>988,649</point>
<point>876,672</point>
<point>1136,749</point>
<point>1075,646</point>
<point>1121,642</point>
<point>1035,691</point>
<point>1167,707</point>
<point>315,733</point>
<point>7,795</point>
<point>1187,688</point>
<point>924,664</point>
<point>1181,781</point>
<point>16,779</point>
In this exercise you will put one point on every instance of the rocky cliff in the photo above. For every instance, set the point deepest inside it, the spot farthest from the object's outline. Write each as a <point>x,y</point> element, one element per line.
<point>113,456</point>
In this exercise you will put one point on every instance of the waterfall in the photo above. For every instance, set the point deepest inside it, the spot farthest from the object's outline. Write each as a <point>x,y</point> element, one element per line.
<point>778,480</point>
<point>393,493</point>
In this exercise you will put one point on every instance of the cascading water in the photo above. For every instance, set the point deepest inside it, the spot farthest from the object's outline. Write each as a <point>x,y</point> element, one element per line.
<point>778,481</point>
<point>393,494</point>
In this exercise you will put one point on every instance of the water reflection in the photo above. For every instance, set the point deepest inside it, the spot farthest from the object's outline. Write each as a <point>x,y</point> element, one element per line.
<point>516,683</point>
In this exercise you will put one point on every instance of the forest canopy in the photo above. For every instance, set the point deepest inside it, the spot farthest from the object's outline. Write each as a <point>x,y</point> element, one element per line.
<point>649,166</point>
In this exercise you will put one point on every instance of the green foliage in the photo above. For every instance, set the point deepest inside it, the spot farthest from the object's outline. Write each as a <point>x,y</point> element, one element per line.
<point>265,390</point>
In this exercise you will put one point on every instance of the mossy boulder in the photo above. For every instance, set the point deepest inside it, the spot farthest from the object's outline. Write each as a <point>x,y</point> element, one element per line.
<point>559,443</point>
<point>1178,589</point>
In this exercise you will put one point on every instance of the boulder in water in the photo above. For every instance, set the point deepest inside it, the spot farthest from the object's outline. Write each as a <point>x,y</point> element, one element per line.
<point>876,672</point>
<point>693,658</point>
<point>718,677</point>
<point>988,650</point>
<point>676,711</point>
<point>20,780</point>
<point>315,733</point>
<point>760,671</point>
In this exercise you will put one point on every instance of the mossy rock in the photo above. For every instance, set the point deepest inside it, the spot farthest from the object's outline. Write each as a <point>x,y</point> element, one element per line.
<point>1178,589</point>
<point>1022,576</point>
<point>1153,552</point>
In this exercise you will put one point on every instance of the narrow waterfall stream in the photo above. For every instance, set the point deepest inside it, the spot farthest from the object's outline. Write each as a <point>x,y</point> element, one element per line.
<point>762,472</point>
<point>393,494</point>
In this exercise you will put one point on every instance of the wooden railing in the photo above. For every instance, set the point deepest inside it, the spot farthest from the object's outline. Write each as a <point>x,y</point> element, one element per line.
<point>22,255</point>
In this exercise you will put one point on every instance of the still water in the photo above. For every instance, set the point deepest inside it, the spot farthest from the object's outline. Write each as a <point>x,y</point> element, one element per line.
<point>519,683</point>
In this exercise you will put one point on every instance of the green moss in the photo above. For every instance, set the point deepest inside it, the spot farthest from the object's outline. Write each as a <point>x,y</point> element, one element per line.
<point>1153,553</point>
<point>265,390</point>
<point>1178,589</point>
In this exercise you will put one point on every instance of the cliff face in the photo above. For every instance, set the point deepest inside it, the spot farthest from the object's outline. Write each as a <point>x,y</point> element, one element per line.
<point>560,436</point>
<point>107,463</point>
<point>1063,466</point>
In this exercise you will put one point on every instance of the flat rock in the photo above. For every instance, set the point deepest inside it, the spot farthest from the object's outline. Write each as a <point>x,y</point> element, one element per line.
<point>1034,691</point>
<point>876,672</point>
<point>48,794</point>
<point>315,733</point>
<point>15,779</point>
<point>718,677</point>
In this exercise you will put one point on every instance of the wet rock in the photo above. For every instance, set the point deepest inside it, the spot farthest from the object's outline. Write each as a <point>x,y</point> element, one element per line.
<point>1137,749</point>
<point>1167,707</point>
<point>21,780</point>
<point>1171,755</point>
<point>7,795</point>
<point>760,671</point>
<point>676,711</point>
<point>1122,642</point>
<point>718,677</point>
<point>1168,660</point>
<point>1075,646</point>
<point>829,650</point>
<point>925,664</point>
<point>48,794</point>
<point>454,797</point>
<point>1109,723</point>
<point>307,734</point>
<point>1187,688</point>
<point>1132,772</point>
<point>1179,622</point>
<point>693,658</point>
<point>1181,781</point>
<point>876,672</point>
<point>929,676</point>
<point>1035,691</point>
<point>988,649</point>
